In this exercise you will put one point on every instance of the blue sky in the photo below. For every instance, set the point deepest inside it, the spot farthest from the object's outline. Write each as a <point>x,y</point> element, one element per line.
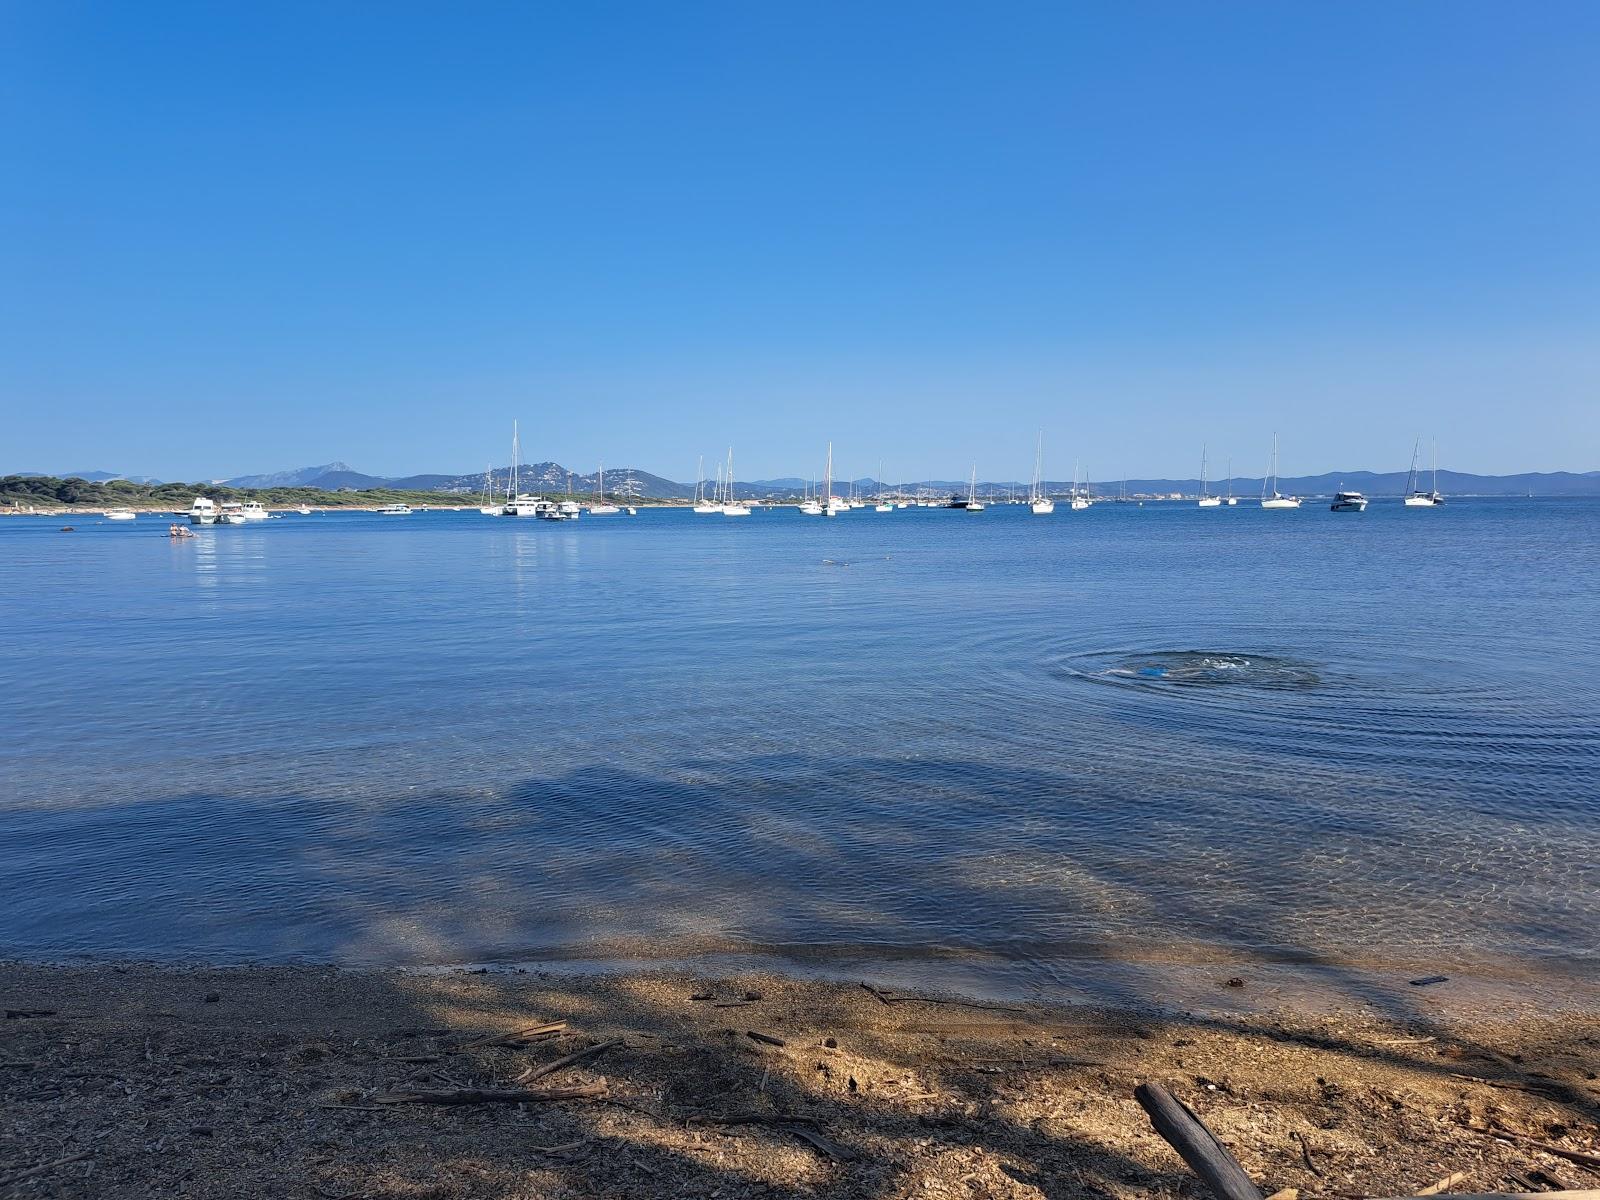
<point>241,238</point>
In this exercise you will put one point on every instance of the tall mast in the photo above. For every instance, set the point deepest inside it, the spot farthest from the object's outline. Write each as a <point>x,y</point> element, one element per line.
<point>1202,470</point>
<point>516,454</point>
<point>827,479</point>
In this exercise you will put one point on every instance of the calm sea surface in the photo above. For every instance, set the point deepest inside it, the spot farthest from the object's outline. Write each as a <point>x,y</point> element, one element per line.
<point>1132,732</point>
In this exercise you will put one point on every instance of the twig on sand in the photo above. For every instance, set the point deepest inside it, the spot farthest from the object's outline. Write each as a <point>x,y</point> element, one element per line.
<point>517,1037</point>
<point>564,1148</point>
<point>764,1038</point>
<point>31,1172</point>
<point>1305,1154</point>
<point>1508,1085</point>
<point>886,998</point>
<point>1445,1184</point>
<point>551,1068</point>
<point>1406,1041</point>
<point>804,1128</point>
<point>588,1091</point>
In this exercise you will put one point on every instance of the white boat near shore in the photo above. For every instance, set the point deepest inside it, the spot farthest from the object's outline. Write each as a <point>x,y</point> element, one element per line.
<point>1276,499</point>
<point>120,514</point>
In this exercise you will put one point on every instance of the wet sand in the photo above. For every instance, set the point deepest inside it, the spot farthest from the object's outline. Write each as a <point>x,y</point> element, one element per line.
<point>279,1081</point>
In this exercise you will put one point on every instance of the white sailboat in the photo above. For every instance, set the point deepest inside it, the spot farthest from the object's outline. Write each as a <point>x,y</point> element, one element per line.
<point>702,505</point>
<point>1040,504</point>
<point>1231,499</point>
<point>517,504</point>
<point>1206,501</point>
<point>832,505</point>
<point>973,503</point>
<point>1415,496</point>
<point>1277,499</point>
<point>883,504</point>
<point>1080,492</point>
<point>730,506</point>
<point>601,506</point>
<point>489,508</point>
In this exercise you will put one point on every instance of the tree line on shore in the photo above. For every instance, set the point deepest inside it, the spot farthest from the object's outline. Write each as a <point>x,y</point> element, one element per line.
<point>46,491</point>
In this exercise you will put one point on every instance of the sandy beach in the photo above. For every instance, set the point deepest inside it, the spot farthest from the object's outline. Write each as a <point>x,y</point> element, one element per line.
<point>316,1082</point>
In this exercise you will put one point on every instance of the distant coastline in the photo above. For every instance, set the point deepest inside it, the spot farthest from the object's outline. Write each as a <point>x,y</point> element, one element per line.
<point>41,493</point>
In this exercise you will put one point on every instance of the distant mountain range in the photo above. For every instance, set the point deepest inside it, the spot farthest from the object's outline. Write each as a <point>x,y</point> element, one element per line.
<point>553,477</point>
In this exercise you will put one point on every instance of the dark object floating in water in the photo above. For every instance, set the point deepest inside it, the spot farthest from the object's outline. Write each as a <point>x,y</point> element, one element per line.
<point>1235,982</point>
<point>68,529</point>
<point>1428,979</point>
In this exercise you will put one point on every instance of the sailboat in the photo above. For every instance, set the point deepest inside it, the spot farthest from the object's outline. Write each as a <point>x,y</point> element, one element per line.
<point>1277,499</point>
<point>1206,501</point>
<point>808,504</point>
<point>1080,495</point>
<point>701,505</point>
<point>602,506</point>
<point>630,491</point>
<point>730,506</point>
<point>517,504</point>
<point>1231,499</point>
<point>1416,497</point>
<point>1040,504</point>
<point>489,508</point>
<point>832,505</point>
<point>973,504</point>
<point>883,504</point>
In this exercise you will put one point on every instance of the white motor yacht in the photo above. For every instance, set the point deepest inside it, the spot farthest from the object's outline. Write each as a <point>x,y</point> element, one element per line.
<point>394,510</point>
<point>120,514</point>
<point>230,512</point>
<point>524,505</point>
<point>1344,501</point>
<point>254,511</point>
<point>203,511</point>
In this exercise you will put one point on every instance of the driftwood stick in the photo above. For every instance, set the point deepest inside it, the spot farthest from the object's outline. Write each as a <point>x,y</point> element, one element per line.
<point>551,1068</point>
<point>42,1168</point>
<point>1445,1184</point>
<point>515,1037</point>
<point>588,1091</point>
<point>1198,1146</point>
<point>1592,1161</point>
<point>886,998</point>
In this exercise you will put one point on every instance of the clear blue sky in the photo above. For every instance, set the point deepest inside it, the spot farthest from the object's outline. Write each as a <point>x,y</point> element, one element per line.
<point>246,237</point>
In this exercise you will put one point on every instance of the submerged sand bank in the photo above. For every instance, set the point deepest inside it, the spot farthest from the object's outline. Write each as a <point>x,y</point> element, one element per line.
<point>271,1082</point>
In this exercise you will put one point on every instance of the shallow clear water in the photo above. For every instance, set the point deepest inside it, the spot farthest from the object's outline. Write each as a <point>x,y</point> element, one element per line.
<point>1134,731</point>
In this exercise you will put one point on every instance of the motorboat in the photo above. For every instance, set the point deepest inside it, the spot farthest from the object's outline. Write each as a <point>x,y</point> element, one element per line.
<point>304,510</point>
<point>570,510</point>
<point>120,514</point>
<point>203,511</point>
<point>231,512</point>
<point>524,505</point>
<point>254,511</point>
<point>394,510</point>
<point>1344,501</point>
